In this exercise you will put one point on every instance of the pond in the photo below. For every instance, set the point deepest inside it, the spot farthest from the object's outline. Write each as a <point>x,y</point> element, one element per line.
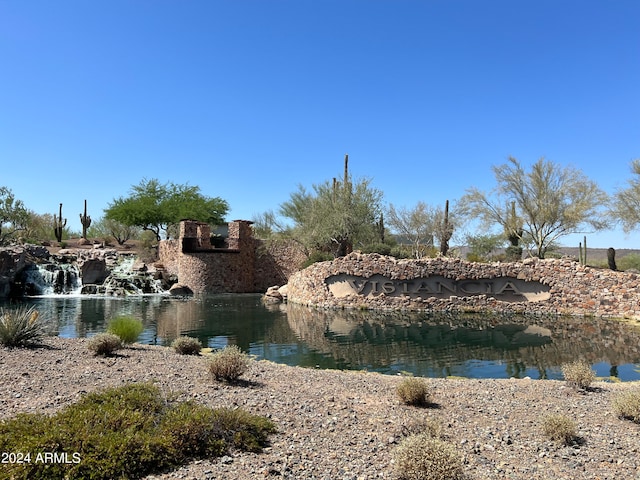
<point>474,346</point>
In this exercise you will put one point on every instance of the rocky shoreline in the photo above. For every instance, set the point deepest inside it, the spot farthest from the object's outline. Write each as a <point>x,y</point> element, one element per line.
<point>345,425</point>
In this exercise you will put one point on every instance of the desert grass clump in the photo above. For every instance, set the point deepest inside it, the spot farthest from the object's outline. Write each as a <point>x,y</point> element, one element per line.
<point>422,457</point>
<point>126,327</point>
<point>578,374</point>
<point>21,327</point>
<point>414,391</point>
<point>627,405</point>
<point>228,364</point>
<point>427,426</point>
<point>187,345</point>
<point>559,428</point>
<point>127,432</point>
<point>104,344</point>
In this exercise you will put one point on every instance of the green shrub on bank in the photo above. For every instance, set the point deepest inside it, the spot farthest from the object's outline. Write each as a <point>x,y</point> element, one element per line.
<point>187,345</point>
<point>559,428</point>
<point>422,457</point>
<point>578,374</point>
<point>104,344</point>
<point>414,391</point>
<point>126,432</point>
<point>228,364</point>
<point>21,327</point>
<point>627,405</point>
<point>125,327</point>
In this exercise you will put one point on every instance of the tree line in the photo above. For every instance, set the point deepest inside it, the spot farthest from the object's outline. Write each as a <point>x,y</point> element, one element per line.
<point>527,210</point>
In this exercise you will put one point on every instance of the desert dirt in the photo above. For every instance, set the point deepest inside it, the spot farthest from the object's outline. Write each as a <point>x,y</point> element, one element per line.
<point>345,425</point>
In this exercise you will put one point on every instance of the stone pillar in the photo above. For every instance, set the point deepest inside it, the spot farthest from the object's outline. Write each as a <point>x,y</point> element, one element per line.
<point>188,235</point>
<point>240,234</point>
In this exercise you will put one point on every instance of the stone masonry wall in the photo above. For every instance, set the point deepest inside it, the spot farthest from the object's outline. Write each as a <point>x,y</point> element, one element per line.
<point>276,261</point>
<point>570,287</point>
<point>246,265</point>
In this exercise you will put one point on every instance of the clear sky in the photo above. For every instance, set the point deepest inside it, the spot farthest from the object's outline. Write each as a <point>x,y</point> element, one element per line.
<point>248,99</point>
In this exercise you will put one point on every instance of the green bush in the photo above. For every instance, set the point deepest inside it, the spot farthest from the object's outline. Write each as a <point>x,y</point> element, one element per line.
<point>104,344</point>
<point>422,457</point>
<point>380,248</point>
<point>578,374</point>
<point>559,428</point>
<point>125,327</point>
<point>127,432</point>
<point>627,405</point>
<point>316,257</point>
<point>414,391</point>
<point>187,345</point>
<point>228,364</point>
<point>401,251</point>
<point>21,327</point>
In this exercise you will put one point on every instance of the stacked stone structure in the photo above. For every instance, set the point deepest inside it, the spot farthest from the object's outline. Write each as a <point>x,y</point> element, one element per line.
<point>559,286</point>
<point>244,265</point>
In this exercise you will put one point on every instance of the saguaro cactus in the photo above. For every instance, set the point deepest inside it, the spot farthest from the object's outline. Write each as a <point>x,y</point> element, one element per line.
<point>582,252</point>
<point>85,220</point>
<point>514,231</point>
<point>446,230</point>
<point>611,258</point>
<point>59,224</point>
<point>380,228</point>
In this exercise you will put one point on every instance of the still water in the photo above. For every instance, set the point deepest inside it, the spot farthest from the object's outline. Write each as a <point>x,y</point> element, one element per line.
<point>429,345</point>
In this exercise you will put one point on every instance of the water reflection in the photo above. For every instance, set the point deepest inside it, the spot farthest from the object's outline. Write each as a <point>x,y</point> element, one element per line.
<point>423,344</point>
<point>467,345</point>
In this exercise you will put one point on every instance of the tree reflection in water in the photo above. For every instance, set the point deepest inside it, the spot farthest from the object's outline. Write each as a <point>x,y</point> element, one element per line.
<point>467,345</point>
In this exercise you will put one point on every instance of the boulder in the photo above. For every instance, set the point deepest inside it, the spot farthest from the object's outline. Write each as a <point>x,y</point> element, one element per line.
<point>94,271</point>
<point>180,290</point>
<point>272,295</point>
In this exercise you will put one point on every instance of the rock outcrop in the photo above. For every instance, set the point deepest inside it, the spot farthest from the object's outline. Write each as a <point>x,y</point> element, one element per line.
<point>32,270</point>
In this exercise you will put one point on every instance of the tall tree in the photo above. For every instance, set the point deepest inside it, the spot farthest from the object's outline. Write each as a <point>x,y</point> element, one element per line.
<point>550,202</point>
<point>13,216</point>
<point>158,207</point>
<point>337,216</point>
<point>423,226</point>
<point>416,225</point>
<point>626,202</point>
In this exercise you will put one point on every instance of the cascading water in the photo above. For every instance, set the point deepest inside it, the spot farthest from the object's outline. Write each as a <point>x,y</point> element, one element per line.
<point>51,279</point>
<point>123,280</point>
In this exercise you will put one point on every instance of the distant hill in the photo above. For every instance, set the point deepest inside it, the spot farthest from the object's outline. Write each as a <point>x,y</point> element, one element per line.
<point>597,254</point>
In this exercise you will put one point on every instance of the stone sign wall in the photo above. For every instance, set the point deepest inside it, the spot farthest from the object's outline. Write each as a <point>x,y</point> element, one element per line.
<point>534,286</point>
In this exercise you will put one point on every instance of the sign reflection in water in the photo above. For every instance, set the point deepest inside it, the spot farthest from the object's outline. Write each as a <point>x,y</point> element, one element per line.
<point>427,345</point>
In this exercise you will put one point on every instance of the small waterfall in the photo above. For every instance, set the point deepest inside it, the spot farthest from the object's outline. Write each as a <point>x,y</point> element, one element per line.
<point>124,280</point>
<point>51,279</point>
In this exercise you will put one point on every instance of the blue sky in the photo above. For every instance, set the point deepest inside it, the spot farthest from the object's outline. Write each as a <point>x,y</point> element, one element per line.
<point>248,99</point>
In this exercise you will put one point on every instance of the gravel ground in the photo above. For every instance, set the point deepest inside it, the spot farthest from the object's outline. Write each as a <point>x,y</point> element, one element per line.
<point>345,425</point>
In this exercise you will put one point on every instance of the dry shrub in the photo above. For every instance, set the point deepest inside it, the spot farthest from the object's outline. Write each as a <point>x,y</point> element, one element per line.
<point>187,345</point>
<point>578,374</point>
<point>627,405</point>
<point>104,344</point>
<point>414,391</point>
<point>422,457</point>
<point>229,363</point>
<point>559,428</point>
